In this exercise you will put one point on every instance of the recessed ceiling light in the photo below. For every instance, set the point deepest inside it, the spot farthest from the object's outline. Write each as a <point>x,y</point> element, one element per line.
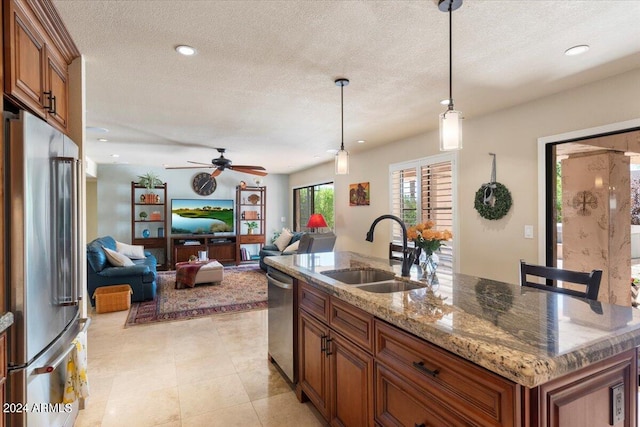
<point>444,102</point>
<point>332,151</point>
<point>361,141</point>
<point>103,140</point>
<point>576,50</point>
<point>185,50</point>
<point>115,155</point>
<point>97,129</point>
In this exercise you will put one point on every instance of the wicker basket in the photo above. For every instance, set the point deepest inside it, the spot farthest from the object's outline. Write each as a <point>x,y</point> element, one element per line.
<point>113,298</point>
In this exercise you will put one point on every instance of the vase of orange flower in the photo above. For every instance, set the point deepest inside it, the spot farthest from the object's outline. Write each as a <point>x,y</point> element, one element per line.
<point>429,240</point>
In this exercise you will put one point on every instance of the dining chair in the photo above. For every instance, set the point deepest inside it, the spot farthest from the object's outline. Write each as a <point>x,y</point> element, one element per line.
<point>395,251</point>
<point>590,281</point>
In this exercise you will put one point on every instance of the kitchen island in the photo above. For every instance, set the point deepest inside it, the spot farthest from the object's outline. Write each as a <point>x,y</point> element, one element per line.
<point>463,351</point>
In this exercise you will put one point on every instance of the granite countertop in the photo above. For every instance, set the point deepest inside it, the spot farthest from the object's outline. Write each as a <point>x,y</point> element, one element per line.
<point>526,335</point>
<point>6,320</point>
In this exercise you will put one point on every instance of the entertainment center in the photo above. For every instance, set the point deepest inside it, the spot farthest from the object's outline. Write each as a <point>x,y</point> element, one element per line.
<point>219,227</point>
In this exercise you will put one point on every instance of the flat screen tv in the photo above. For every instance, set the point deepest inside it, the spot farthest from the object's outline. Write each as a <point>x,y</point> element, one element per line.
<point>201,216</point>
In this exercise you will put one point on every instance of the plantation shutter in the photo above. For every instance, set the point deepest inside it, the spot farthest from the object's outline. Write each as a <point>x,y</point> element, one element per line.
<point>428,198</point>
<point>437,204</point>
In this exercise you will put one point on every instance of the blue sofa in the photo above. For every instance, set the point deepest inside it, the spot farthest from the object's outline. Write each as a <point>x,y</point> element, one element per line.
<point>141,276</point>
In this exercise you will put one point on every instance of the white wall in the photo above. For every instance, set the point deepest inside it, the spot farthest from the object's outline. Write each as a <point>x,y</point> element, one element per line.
<point>487,248</point>
<point>114,195</point>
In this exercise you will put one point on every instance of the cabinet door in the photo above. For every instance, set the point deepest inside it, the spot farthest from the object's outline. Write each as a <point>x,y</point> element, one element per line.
<point>223,253</point>
<point>58,90</point>
<point>400,403</point>
<point>313,362</point>
<point>351,372</point>
<point>25,63</point>
<point>182,253</point>
<point>587,397</point>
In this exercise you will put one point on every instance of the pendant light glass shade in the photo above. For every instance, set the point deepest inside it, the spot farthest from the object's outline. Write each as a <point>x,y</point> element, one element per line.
<point>450,120</point>
<point>342,162</point>
<point>342,156</point>
<point>451,130</point>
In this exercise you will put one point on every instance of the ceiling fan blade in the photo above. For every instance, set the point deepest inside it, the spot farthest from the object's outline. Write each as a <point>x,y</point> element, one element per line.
<point>187,167</point>
<point>260,168</point>
<point>200,163</point>
<point>251,171</point>
<point>216,172</point>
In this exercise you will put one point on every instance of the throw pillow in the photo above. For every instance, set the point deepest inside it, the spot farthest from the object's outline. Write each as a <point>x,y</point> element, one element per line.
<point>130,251</point>
<point>117,259</point>
<point>292,248</point>
<point>283,239</point>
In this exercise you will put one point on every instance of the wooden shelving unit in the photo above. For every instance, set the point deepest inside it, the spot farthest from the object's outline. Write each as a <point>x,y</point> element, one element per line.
<point>251,205</point>
<point>150,231</point>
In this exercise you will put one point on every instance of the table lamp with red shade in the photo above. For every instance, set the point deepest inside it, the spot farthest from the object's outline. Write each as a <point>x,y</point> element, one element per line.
<point>316,220</point>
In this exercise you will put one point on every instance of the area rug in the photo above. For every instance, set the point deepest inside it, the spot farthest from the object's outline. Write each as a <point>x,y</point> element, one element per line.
<point>243,288</point>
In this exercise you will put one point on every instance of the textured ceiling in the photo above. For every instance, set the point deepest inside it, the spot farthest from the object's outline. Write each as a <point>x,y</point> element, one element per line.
<point>262,82</point>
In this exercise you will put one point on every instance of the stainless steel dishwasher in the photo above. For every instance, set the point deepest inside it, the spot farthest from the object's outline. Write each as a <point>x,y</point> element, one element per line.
<point>281,328</point>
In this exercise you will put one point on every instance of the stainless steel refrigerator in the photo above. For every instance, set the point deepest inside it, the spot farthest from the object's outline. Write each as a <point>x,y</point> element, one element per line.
<point>44,290</point>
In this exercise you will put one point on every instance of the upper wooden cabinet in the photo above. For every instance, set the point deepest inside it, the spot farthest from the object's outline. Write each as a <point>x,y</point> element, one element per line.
<point>38,50</point>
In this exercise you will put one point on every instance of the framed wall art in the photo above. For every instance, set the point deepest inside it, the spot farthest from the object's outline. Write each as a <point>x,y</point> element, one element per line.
<point>359,194</point>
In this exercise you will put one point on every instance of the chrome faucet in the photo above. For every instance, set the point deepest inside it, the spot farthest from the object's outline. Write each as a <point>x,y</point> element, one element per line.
<point>408,256</point>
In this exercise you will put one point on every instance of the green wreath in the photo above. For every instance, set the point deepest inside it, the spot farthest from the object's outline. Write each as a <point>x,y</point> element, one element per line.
<point>495,205</point>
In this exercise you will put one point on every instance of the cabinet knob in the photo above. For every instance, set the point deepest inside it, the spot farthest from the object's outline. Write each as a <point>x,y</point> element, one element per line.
<point>420,425</point>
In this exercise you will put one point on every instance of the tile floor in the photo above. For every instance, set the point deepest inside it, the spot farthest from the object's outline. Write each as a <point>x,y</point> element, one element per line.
<point>211,371</point>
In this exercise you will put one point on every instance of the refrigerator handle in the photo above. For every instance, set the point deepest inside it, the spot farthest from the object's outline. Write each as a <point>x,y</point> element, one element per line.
<point>50,367</point>
<point>76,291</point>
<point>65,197</point>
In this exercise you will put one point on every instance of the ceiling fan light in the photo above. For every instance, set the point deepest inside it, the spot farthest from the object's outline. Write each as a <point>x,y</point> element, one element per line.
<point>451,130</point>
<point>342,162</point>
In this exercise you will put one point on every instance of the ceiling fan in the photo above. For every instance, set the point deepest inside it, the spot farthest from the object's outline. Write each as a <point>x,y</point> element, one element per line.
<point>222,163</point>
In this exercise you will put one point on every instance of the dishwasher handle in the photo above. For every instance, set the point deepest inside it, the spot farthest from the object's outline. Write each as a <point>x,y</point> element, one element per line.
<point>279,283</point>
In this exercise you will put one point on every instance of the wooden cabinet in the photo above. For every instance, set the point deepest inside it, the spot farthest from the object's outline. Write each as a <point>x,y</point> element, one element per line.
<point>3,372</point>
<point>37,53</point>
<point>335,373</point>
<point>251,205</point>
<point>467,390</point>
<point>222,249</point>
<point>361,371</point>
<point>149,221</point>
<point>599,395</point>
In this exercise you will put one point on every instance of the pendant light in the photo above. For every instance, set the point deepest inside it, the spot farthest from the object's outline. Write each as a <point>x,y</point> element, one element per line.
<point>342,156</point>
<point>450,120</point>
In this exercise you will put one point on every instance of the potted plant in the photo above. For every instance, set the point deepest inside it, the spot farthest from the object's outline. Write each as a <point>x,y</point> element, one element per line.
<point>251,225</point>
<point>143,215</point>
<point>149,181</point>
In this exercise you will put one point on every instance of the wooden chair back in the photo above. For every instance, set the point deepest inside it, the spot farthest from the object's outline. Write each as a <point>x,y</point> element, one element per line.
<point>590,281</point>
<point>395,251</point>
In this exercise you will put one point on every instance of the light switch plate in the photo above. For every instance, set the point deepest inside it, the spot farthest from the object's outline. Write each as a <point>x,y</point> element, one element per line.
<point>616,394</point>
<point>528,231</point>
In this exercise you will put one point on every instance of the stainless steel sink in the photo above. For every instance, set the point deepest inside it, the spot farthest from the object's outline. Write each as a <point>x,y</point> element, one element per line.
<point>391,286</point>
<point>372,280</point>
<point>358,277</point>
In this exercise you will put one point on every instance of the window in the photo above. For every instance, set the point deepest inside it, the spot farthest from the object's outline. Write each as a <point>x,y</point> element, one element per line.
<point>312,199</point>
<point>423,190</point>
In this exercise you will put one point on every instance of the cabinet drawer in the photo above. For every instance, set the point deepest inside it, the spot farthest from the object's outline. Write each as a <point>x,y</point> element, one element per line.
<point>353,323</point>
<point>251,238</point>
<point>399,403</point>
<point>483,397</point>
<point>314,301</point>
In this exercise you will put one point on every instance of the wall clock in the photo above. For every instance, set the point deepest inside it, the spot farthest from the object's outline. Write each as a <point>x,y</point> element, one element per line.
<point>203,184</point>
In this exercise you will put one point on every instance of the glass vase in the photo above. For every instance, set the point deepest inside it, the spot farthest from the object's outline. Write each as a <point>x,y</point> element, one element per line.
<point>429,263</point>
